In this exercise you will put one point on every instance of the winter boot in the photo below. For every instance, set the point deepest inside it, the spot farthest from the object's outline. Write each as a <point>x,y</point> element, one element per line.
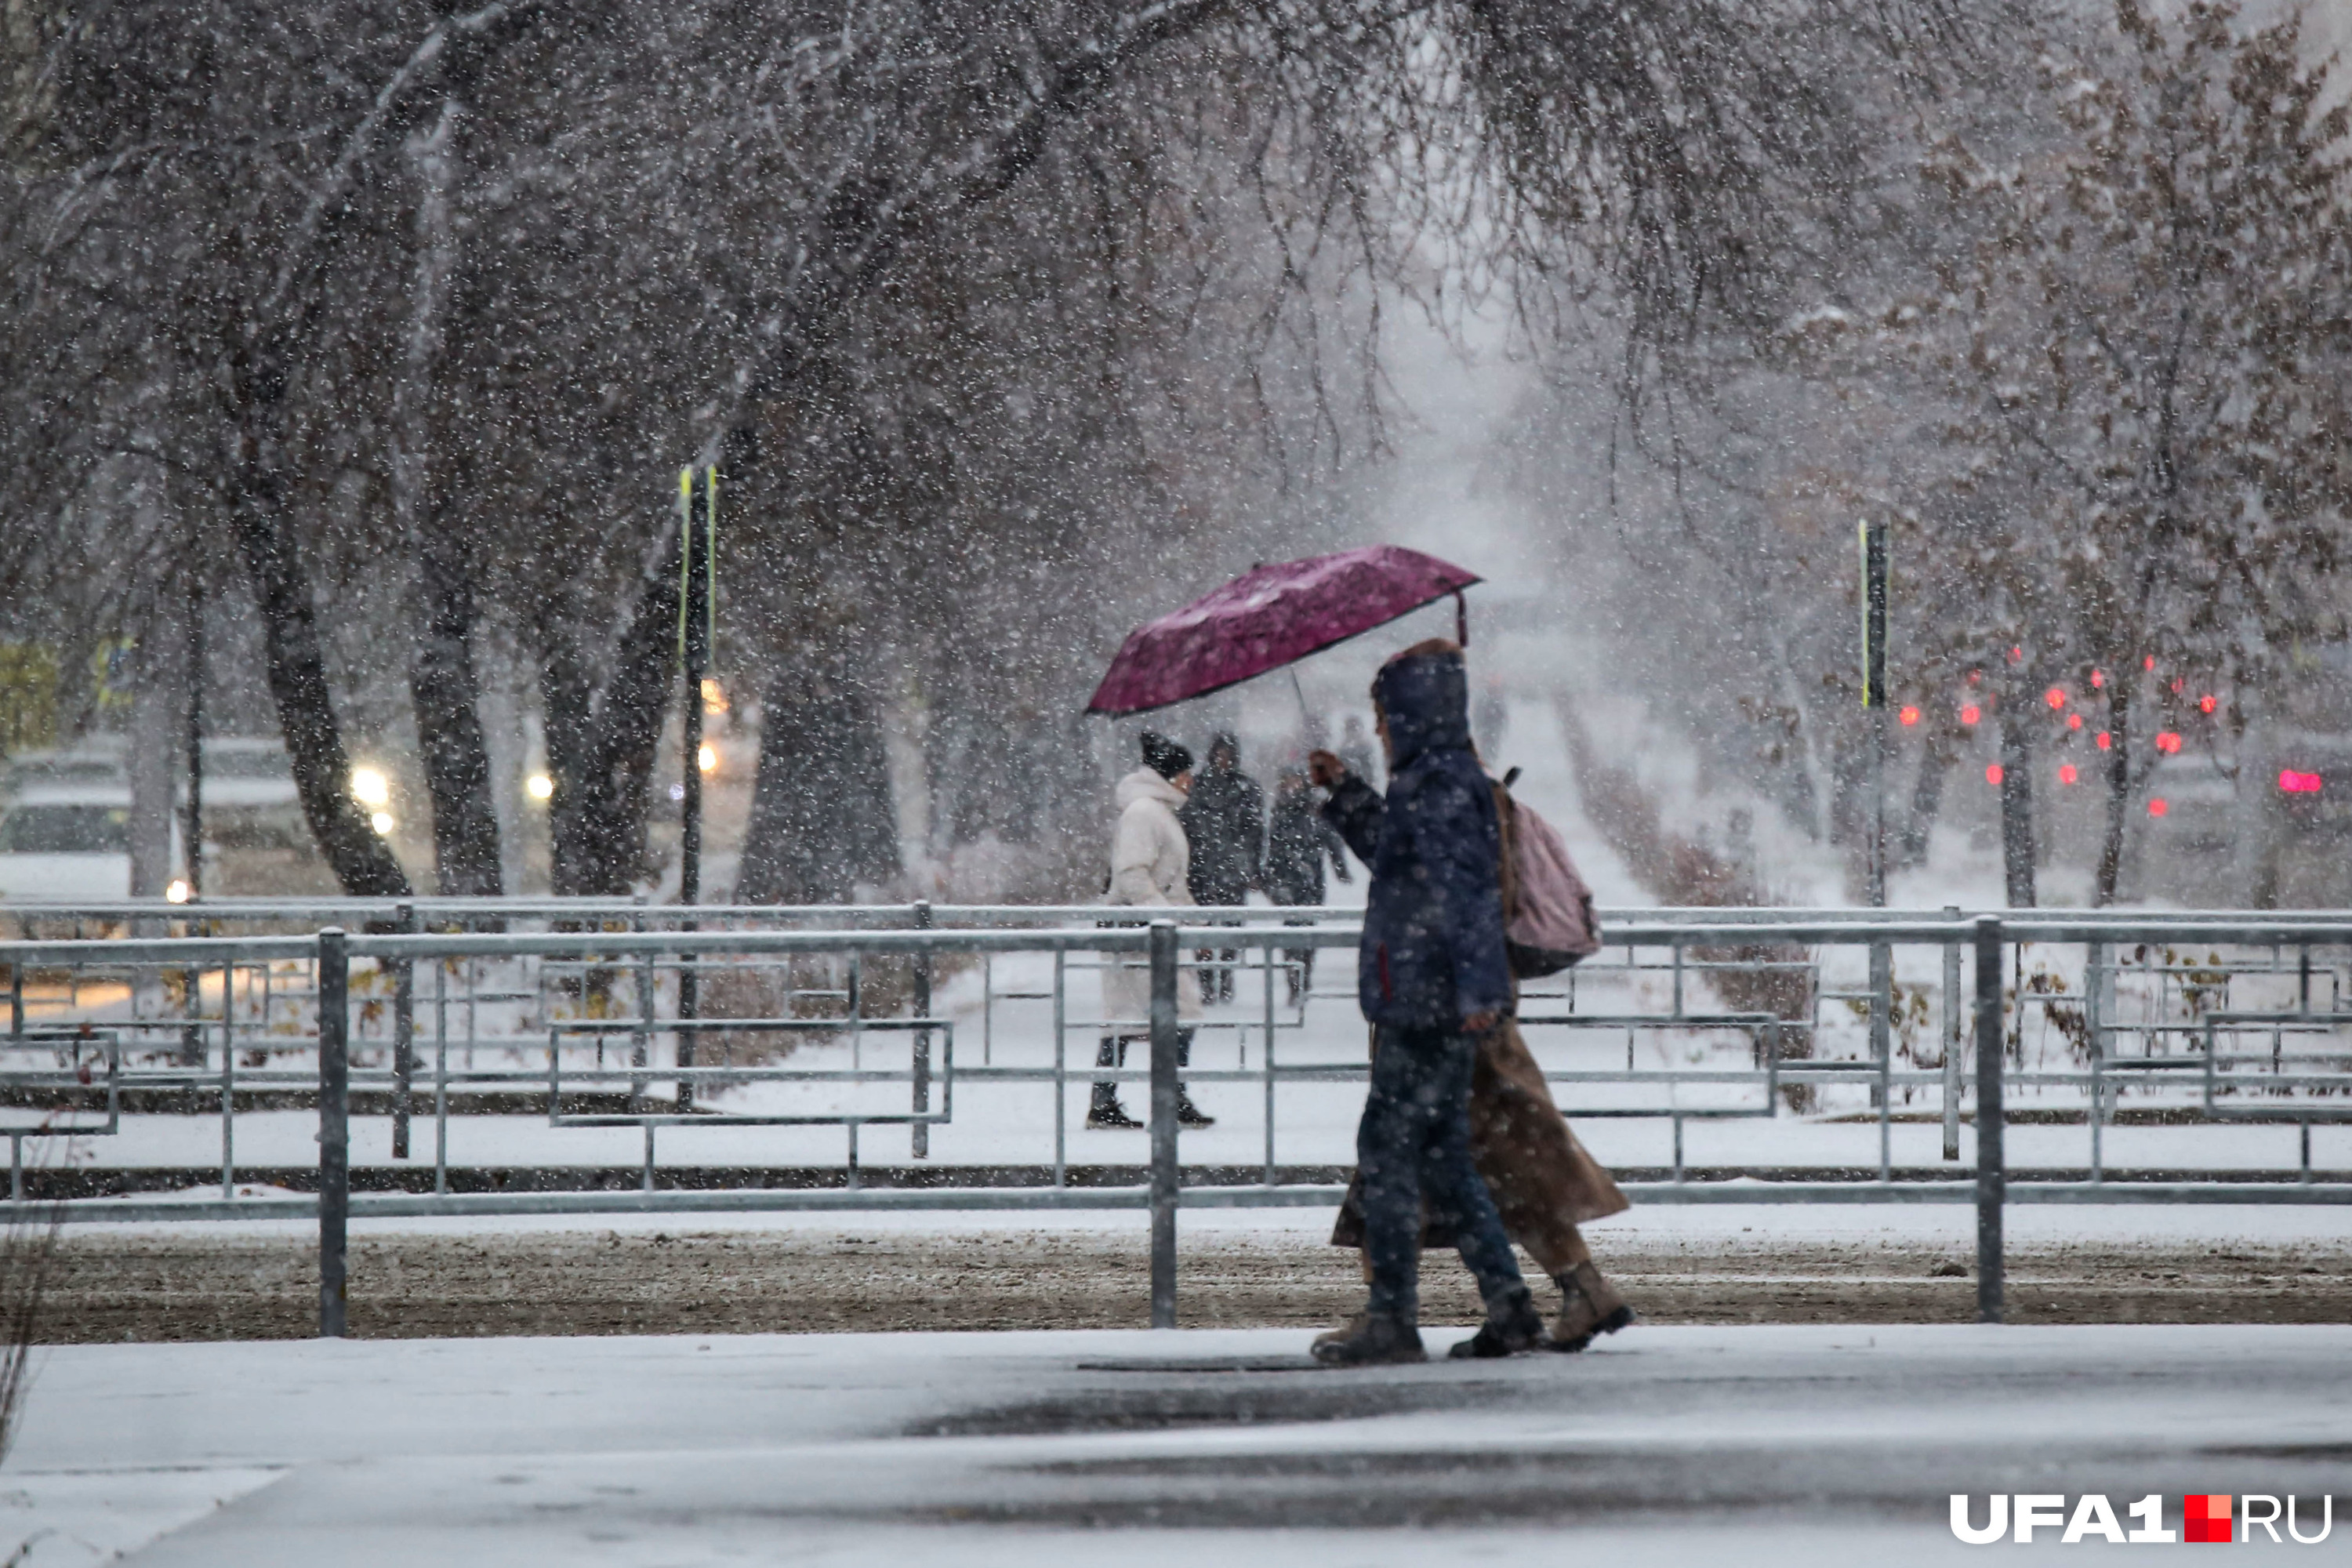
<point>1590,1307</point>
<point>1105,1113</point>
<point>1514,1327</point>
<point>1370,1340</point>
<point>1188,1114</point>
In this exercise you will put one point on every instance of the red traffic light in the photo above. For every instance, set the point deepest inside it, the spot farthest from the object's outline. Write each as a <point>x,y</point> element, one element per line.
<point>1909,715</point>
<point>2293,783</point>
<point>2074,721</point>
<point>2067,773</point>
<point>2158,807</point>
<point>2055,697</point>
<point>2105,739</point>
<point>1971,713</point>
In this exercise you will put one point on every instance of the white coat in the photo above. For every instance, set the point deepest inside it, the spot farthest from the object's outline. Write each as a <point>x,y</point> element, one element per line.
<point>1149,862</point>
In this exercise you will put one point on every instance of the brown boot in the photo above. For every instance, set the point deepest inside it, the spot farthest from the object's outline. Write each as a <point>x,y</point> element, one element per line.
<point>1590,1307</point>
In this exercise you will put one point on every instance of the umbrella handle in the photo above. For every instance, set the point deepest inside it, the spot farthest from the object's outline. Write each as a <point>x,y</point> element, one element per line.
<point>1461,619</point>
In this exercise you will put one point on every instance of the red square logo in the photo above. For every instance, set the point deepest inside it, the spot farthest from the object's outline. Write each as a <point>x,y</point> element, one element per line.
<point>2206,1517</point>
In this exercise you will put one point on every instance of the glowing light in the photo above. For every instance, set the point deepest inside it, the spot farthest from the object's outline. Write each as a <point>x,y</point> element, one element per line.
<point>2017,656</point>
<point>381,823</point>
<point>2098,678</point>
<point>2178,683</point>
<point>2157,806</point>
<point>1971,713</point>
<point>714,698</point>
<point>707,759</point>
<point>2055,697</point>
<point>539,786</point>
<point>2293,783</point>
<point>2207,704</point>
<point>2066,773</point>
<point>1909,715</point>
<point>2105,739</point>
<point>2074,721</point>
<point>2167,740</point>
<point>1994,773</point>
<point>2149,663</point>
<point>177,893</point>
<point>677,792</point>
<point>369,787</point>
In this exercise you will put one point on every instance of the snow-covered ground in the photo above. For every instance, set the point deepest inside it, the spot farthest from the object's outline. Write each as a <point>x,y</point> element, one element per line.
<point>1663,1446</point>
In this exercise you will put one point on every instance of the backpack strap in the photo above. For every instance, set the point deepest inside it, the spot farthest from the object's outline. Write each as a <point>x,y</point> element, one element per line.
<point>1506,818</point>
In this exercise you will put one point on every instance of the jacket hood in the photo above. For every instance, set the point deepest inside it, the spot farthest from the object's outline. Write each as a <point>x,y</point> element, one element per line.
<point>1145,784</point>
<point>1425,697</point>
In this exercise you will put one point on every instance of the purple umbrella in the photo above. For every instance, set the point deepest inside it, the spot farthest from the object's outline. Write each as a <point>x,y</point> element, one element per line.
<point>1269,617</point>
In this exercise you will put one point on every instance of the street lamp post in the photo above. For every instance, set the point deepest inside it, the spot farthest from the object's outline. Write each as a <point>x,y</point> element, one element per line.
<point>697,549</point>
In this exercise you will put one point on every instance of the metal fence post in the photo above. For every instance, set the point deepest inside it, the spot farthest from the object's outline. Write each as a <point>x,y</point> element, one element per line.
<point>1882,1051</point>
<point>919,1137</point>
<point>1952,1037</point>
<point>1163,1125</point>
<point>1992,1180</point>
<point>403,1035</point>
<point>334,1127</point>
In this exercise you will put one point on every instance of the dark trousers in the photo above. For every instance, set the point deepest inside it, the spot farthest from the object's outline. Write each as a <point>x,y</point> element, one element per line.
<point>1415,1142</point>
<point>1113,1053</point>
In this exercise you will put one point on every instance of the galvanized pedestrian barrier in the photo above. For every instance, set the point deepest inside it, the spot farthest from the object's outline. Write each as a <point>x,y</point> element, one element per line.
<point>612,1016</point>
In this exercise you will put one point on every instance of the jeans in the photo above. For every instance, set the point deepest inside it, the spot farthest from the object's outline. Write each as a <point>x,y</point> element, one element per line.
<point>1415,1142</point>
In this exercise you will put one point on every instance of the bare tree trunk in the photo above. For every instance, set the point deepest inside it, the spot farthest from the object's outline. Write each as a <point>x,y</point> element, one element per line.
<point>362,862</point>
<point>821,816</point>
<point>2111,844</point>
<point>600,745</point>
<point>158,705</point>
<point>2017,795</point>
<point>1926,797</point>
<point>442,686</point>
<point>442,681</point>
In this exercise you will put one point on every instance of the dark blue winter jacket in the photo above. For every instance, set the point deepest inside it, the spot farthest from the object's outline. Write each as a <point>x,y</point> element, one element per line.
<point>1433,949</point>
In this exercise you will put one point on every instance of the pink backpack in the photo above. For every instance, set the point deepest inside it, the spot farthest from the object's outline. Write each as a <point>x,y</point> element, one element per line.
<point>1547,919</point>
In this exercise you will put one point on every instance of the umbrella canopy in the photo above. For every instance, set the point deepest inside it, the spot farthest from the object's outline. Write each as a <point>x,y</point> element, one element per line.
<point>1267,618</point>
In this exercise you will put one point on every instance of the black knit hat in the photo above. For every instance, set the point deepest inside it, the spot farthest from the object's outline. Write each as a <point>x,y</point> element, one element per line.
<point>1164,757</point>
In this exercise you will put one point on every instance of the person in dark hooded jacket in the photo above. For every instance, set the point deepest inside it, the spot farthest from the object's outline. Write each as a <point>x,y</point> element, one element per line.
<point>1225,822</point>
<point>1298,842</point>
<point>1432,975</point>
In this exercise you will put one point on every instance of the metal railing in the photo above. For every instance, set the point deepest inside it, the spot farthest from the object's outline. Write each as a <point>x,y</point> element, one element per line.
<point>615,1021</point>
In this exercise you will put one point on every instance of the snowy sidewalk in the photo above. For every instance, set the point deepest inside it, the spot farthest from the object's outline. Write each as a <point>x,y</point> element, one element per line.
<point>1665,1445</point>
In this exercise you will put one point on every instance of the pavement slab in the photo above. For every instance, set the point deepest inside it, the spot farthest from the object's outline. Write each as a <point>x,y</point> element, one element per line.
<point>1663,1443</point>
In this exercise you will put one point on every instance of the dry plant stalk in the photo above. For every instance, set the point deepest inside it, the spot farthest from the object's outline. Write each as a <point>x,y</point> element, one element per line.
<point>28,1248</point>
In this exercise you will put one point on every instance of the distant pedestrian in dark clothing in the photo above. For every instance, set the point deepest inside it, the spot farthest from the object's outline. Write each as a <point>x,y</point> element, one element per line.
<point>1225,821</point>
<point>1431,976</point>
<point>1298,841</point>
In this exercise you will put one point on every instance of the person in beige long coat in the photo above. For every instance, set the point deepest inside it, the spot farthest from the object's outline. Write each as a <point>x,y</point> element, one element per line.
<point>1544,1182</point>
<point>1150,862</point>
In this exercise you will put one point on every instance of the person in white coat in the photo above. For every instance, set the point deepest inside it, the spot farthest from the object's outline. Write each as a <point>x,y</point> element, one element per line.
<point>1149,864</point>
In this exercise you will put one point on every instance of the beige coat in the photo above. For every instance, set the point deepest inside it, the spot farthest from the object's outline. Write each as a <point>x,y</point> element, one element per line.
<point>1149,863</point>
<point>1544,1182</point>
